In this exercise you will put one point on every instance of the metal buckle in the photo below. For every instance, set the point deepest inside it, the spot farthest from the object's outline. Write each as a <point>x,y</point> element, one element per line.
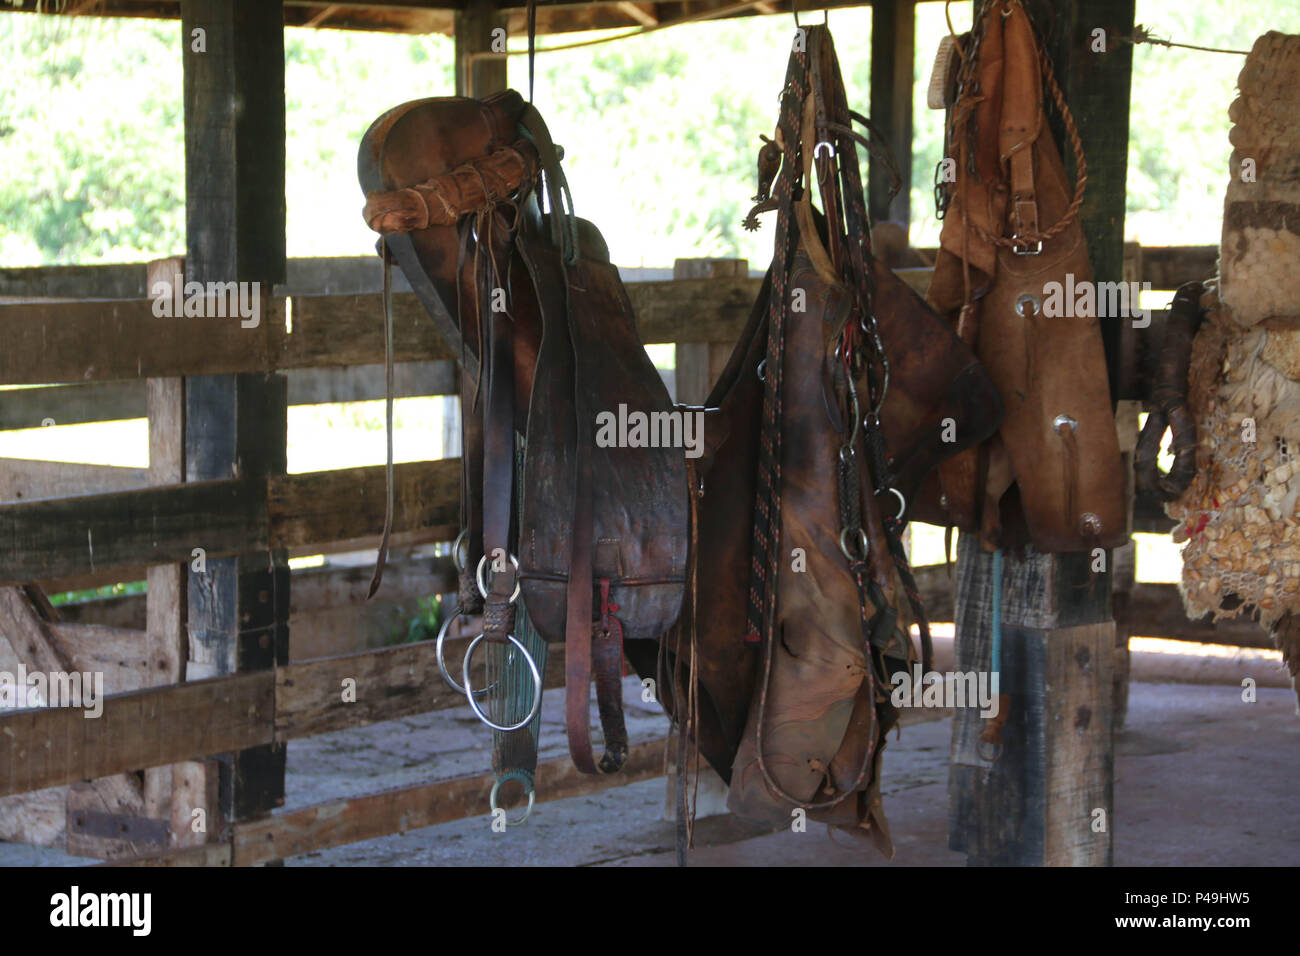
<point>1027,250</point>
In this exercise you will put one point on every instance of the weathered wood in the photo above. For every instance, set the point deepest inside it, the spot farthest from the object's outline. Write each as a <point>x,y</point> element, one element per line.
<point>477,74</point>
<point>60,538</point>
<point>146,728</point>
<point>101,341</point>
<point>893,44</point>
<point>390,683</point>
<point>698,365</point>
<point>27,628</point>
<point>23,479</point>
<point>349,502</point>
<point>165,725</point>
<point>400,809</point>
<point>65,536</point>
<point>115,401</point>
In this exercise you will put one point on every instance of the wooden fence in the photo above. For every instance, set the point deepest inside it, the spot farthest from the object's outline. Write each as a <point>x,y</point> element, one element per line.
<point>71,526</point>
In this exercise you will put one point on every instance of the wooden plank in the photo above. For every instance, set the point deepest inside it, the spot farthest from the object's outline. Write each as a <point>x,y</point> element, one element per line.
<point>477,74</point>
<point>1077,750</point>
<point>390,683</point>
<point>146,728</point>
<point>893,44</point>
<point>65,536</point>
<point>25,622</point>
<point>103,341</point>
<point>349,502</point>
<point>72,404</point>
<point>339,822</point>
<point>698,365</point>
<point>23,479</point>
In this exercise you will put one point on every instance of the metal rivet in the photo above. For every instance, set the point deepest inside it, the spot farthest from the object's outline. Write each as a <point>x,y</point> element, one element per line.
<point>1089,523</point>
<point>1028,305</point>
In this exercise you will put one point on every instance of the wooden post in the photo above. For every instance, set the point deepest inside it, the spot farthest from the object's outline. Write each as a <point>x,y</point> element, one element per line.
<point>235,425</point>
<point>698,365</point>
<point>893,52</point>
<point>1048,798</point>
<point>478,75</point>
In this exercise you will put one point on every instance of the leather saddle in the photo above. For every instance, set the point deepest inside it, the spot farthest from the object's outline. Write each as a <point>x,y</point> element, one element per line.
<point>1053,475</point>
<point>782,661</point>
<point>472,204</point>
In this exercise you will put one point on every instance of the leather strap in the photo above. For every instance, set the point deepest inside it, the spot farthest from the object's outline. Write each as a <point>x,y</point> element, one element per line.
<point>381,559</point>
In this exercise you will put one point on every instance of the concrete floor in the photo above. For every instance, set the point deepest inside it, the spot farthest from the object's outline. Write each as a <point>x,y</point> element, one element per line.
<point>1201,779</point>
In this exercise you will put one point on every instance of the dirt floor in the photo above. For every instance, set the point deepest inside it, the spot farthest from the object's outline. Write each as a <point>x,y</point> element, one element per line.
<point>1201,778</point>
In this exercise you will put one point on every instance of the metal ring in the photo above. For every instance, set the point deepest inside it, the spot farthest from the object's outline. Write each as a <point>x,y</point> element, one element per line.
<point>987,750</point>
<point>762,367</point>
<point>537,686</point>
<point>1064,421</point>
<point>482,585</point>
<point>442,665</point>
<point>828,145</point>
<point>902,502</point>
<point>862,541</point>
<point>456,559</point>
<point>492,802</point>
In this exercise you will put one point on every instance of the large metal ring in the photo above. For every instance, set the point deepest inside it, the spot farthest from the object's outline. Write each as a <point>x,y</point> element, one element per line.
<point>442,665</point>
<point>456,559</point>
<point>492,802</point>
<point>482,584</point>
<point>537,687</point>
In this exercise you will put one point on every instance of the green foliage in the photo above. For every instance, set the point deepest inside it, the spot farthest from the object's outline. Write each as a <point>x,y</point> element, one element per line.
<point>425,623</point>
<point>94,594</point>
<point>661,132</point>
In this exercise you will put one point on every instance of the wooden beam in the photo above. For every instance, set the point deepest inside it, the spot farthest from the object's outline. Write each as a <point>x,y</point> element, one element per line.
<point>164,725</point>
<point>893,43</point>
<point>480,70</point>
<point>699,365</point>
<point>339,822</point>
<point>23,479</point>
<point>47,747</point>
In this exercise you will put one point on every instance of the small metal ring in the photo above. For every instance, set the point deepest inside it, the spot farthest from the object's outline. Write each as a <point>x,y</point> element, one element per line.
<point>862,542</point>
<point>762,367</point>
<point>456,559</point>
<point>537,687</point>
<point>492,802</point>
<point>902,502</point>
<point>828,145</point>
<point>987,750</point>
<point>482,584</point>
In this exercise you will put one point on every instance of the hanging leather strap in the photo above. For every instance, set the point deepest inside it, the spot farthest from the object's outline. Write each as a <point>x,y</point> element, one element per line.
<point>381,558</point>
